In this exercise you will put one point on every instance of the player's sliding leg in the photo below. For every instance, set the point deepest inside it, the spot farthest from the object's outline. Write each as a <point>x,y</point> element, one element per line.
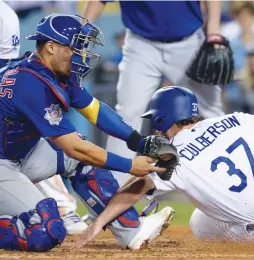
<point>96,187</point>
<point>28,221</point>
<point>206,228</point>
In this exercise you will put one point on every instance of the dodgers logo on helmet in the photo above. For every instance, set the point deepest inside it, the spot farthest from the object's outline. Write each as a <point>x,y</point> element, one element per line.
<point>169,105</point>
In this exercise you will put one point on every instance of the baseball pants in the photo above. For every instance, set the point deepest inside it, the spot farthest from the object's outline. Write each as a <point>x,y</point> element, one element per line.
<point>206,228</point>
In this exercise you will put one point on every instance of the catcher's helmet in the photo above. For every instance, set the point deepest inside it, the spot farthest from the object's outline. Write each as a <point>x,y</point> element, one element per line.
<point>169,105</point>
<point>68,30</point>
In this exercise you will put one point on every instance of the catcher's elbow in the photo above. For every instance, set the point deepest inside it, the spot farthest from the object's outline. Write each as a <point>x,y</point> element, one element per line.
<point>70,152</point>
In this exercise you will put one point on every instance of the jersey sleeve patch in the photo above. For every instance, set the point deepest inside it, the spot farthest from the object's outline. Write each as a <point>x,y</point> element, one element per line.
<point>54,114</point>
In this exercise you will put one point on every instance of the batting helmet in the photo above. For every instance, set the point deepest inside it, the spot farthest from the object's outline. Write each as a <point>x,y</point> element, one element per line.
<point>68,30</point>
<point>169,105</point>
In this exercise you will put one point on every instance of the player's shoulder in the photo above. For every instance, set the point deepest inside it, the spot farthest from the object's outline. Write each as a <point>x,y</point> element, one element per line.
<point>228,120</point>
<point>243,117</point>
<point>29,84</point>
<point>28,79</point>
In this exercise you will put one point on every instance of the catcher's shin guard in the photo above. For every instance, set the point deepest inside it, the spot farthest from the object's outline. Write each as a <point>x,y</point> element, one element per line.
<point>95,187</point>
<point>39,230</point>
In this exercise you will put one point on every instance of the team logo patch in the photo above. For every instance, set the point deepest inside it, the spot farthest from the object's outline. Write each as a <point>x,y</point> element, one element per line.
<point>54,114</point>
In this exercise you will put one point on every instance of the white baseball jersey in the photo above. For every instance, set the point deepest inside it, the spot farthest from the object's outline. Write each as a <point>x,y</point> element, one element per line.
<point>216,167</point>
<point>9,32</point>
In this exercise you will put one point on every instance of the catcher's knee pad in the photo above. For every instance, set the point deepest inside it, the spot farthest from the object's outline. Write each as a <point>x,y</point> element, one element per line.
<point>18,233</point>
<point>96,186</point>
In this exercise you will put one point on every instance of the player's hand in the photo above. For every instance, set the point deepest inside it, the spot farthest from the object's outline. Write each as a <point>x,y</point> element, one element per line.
<point>142,165</point>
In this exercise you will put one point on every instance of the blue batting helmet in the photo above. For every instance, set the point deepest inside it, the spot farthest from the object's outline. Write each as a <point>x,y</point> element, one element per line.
<point>169,105</point>
<point>68,30</point>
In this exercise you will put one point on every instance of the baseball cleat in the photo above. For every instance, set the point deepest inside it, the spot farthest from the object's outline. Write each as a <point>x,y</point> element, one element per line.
<point>152,227</point>
<point>73,224</point>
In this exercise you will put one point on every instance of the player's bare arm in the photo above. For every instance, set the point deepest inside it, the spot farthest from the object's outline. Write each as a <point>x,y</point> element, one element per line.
<point>127,196</point>
<point>213,12</point>
<point>93,9</point>
<point>92,154</point>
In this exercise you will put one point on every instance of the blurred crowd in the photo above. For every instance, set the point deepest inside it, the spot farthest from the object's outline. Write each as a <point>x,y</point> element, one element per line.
<point>238,27</point>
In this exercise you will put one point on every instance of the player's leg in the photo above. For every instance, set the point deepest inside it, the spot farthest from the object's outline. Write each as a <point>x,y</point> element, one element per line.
<point>54,188</point>
<point>66,203</point>
<point>96,187</point>
<point>177,58</point>
<point>44,162</point>
<point>206,228</point>
<point>28,221</point>
<point>139,77</point>
<point>41,169</point>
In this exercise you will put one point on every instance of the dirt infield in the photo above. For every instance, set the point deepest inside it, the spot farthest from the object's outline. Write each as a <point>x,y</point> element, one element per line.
<point>176,243</point>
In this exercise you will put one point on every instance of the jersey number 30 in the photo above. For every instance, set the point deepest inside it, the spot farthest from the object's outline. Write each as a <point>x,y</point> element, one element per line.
<point>232,170</point>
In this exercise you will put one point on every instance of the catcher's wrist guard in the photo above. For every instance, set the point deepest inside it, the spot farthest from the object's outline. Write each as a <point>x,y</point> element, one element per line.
<point>134,142</point>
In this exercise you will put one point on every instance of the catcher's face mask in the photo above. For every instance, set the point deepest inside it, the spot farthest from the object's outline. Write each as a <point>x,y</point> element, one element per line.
<point>84,59</point>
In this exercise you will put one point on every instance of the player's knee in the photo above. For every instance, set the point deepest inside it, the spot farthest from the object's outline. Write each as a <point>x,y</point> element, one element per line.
<point>195,223</point>
<point>18,233</point>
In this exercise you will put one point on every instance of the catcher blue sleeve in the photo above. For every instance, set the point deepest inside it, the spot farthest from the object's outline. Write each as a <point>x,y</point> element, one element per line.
<point>37,103</point>
<point>99,114</point>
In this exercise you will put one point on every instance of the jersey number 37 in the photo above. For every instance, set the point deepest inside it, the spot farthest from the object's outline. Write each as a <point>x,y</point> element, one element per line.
<point>232,170</point>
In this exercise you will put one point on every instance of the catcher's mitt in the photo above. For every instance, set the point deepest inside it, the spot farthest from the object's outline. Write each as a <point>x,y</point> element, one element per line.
<point>159,147</point>
<point>213,66</point>
<point>170,165</point>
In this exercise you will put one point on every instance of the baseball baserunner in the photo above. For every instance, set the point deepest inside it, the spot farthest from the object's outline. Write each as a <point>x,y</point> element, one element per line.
<point>215,170</point>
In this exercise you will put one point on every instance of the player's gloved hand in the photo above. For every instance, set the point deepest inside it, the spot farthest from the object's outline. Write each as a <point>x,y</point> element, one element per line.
<point>214,64</point>
<point>142,165</point>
